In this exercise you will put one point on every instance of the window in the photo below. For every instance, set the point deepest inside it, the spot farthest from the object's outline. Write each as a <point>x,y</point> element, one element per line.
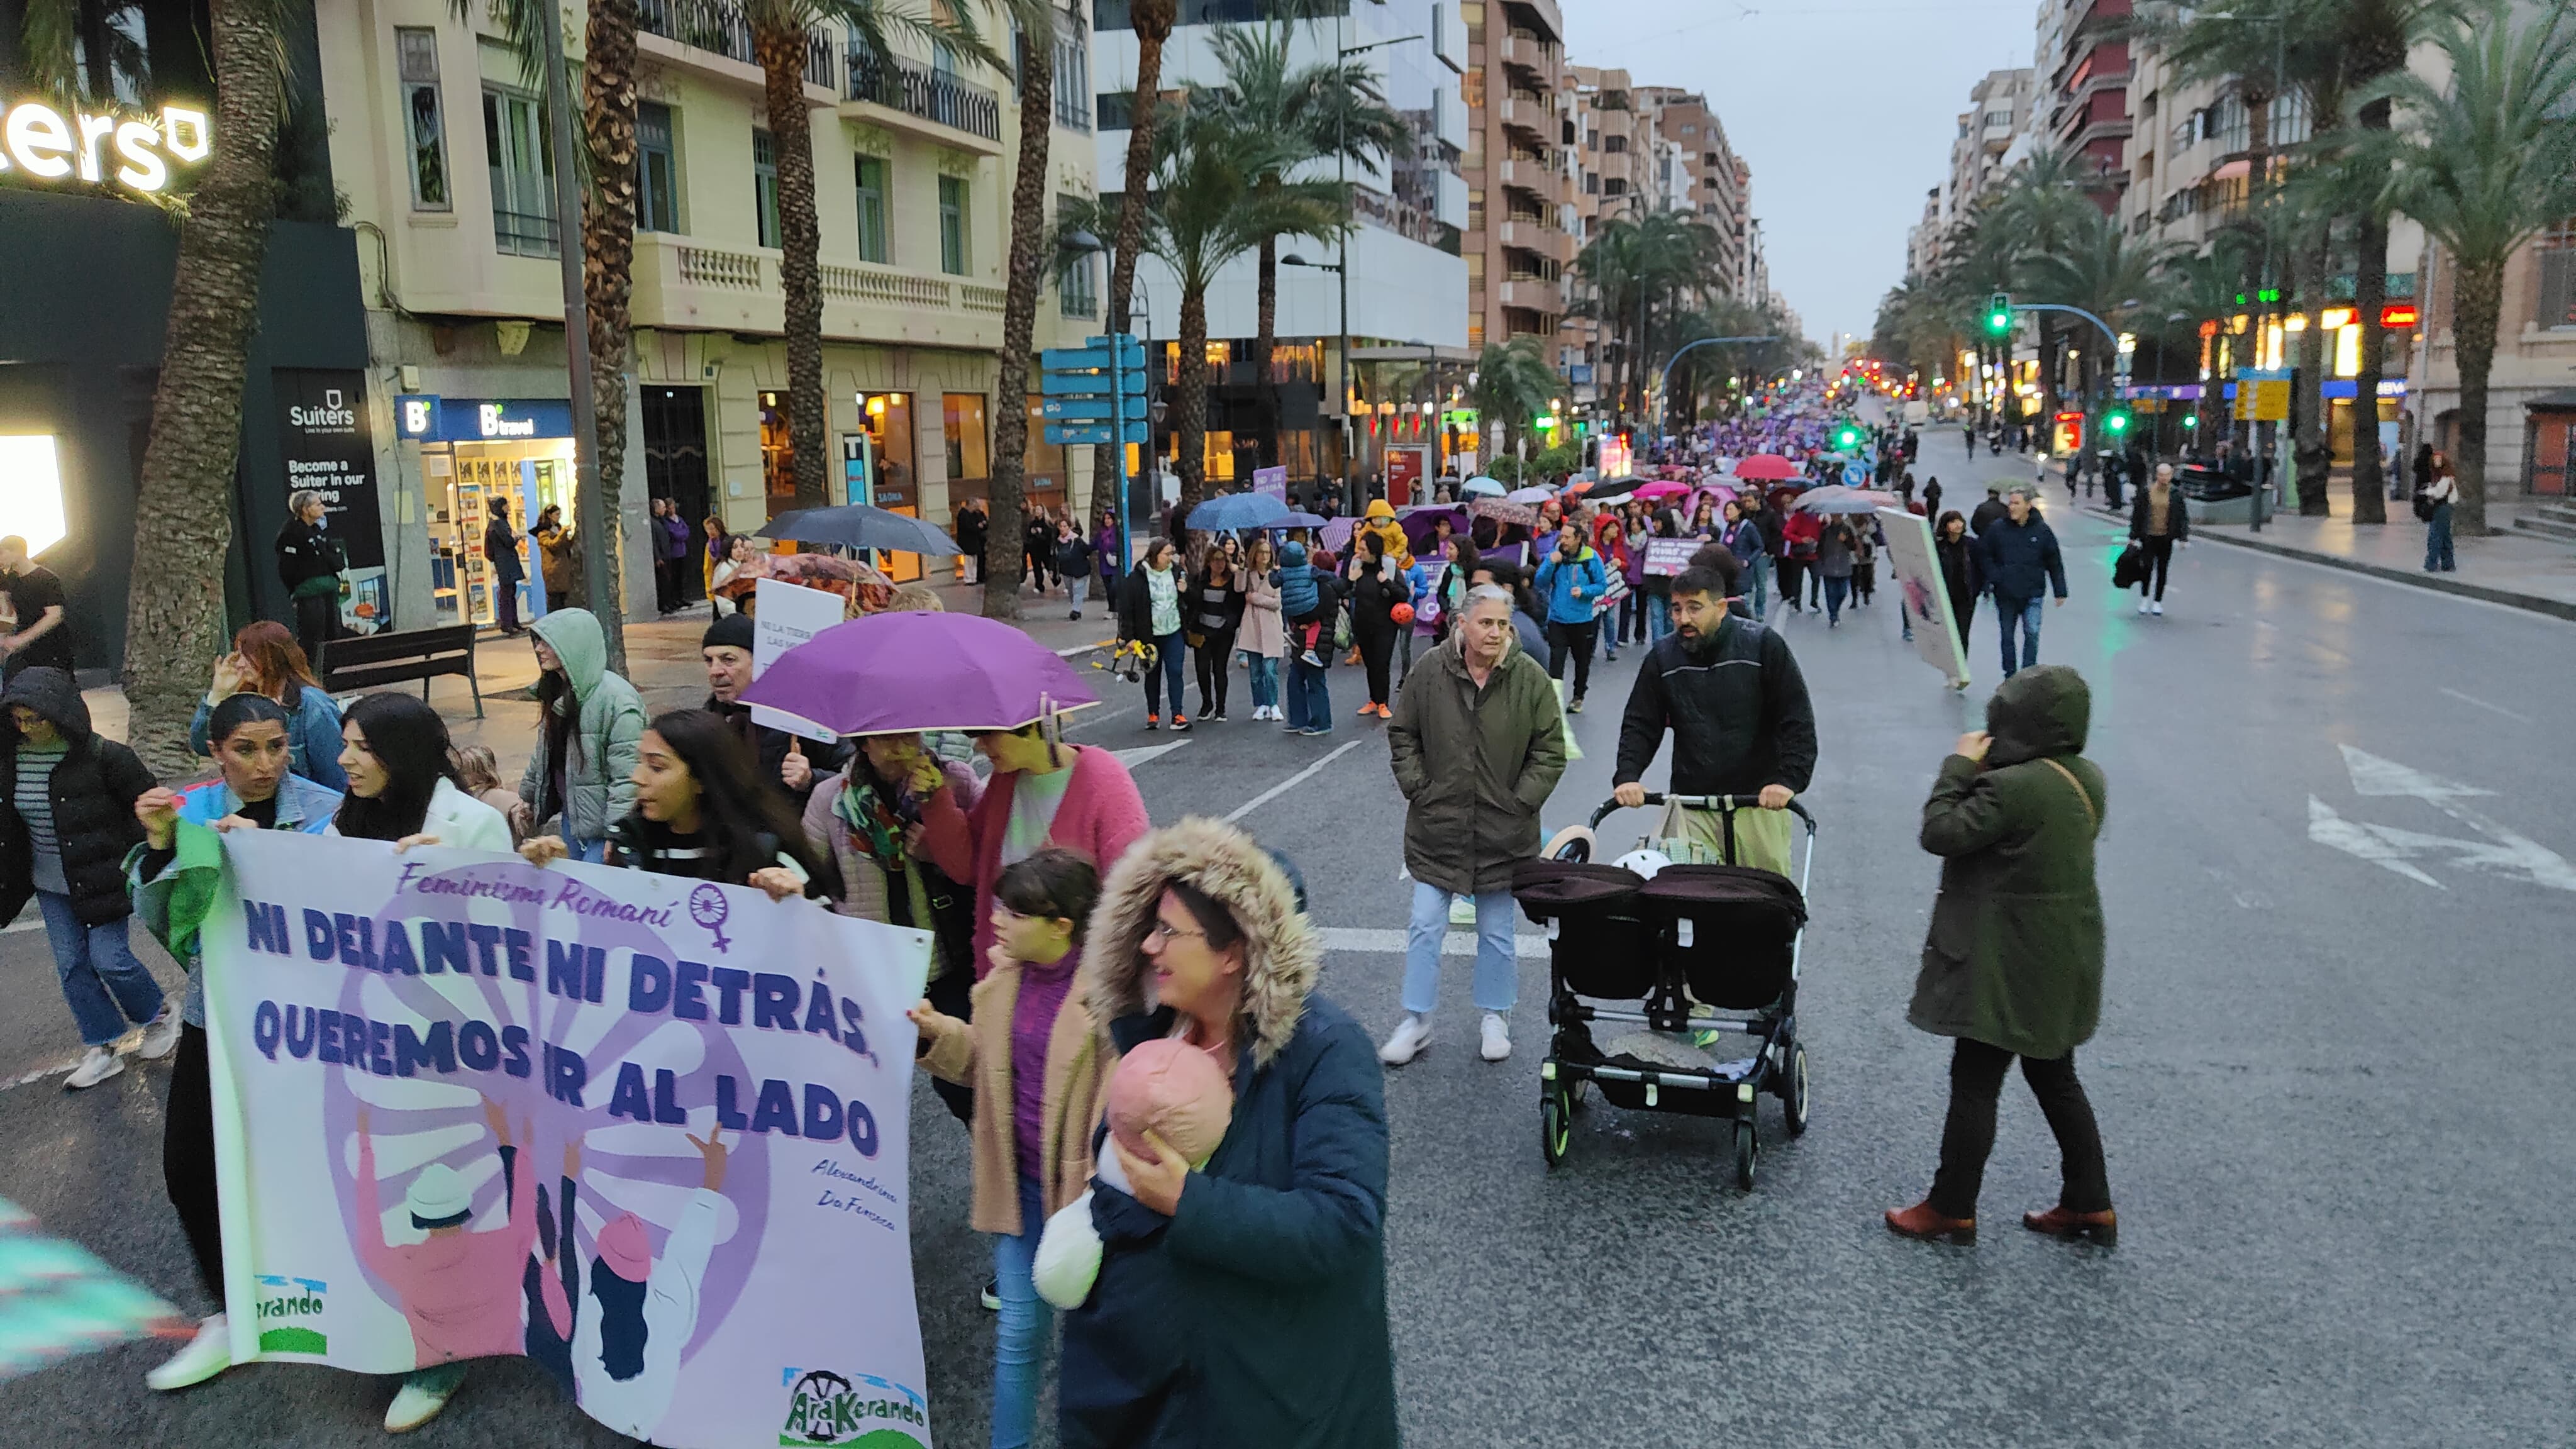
<point>764,185</point>
<point>1115,110</point>
<point>2557,279</point>
<point>872,209</point>
<point>417,52</point>
<point>657,170</point>
<point>1592,184</point>
<point>1616,145</point>
<point>1072,76</point>
<point>1076,293</point>
<point>952,225</point>
<point>1614,187</point>
<point>961,419</point>
<point>523,202</point>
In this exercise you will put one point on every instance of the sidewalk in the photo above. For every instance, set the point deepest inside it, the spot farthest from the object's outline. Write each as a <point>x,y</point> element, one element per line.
<point>2511,567</point>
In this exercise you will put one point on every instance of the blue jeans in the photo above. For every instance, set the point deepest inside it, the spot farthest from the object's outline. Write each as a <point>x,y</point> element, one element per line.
<point>2026,614</point>
<point>1171,657</point>
<point>2437,542</point>
<point>1659,617</point>
<point>1757,583</point>
<point>1264,678</point>
<point>1837,590</point>
<point>1310,703</point>
<point>1019,1340</point>
<point>105,986</point>
<point>1497,973</point>
<point>1076,587</point>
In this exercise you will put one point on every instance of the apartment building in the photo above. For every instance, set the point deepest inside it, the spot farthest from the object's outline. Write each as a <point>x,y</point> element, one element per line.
<point>2083,73</point>
<point>1606,138</point>
<point>1708,178</point>
<point>1924,241</point>
<point>1408,298</point>
<point>1519,191</point>
<point>440,147</point>
<point>2000,111</point>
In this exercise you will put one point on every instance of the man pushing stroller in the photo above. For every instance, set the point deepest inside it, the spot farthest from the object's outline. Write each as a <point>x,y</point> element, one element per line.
<point>1730,692</point>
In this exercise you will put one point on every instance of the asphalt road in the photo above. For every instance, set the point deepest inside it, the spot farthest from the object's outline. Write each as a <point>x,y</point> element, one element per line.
<point>2334,1094</point>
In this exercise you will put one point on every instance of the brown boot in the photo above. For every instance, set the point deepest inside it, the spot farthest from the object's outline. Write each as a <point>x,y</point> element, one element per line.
<point>1920,1221</point>
<point>2102,1227</point>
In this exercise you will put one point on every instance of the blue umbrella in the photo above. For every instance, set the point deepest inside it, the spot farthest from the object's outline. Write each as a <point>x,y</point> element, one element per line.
<point>1297,520</point>
<point>859,526</point>
<point>1482,485</point>
<point>1238,510</point>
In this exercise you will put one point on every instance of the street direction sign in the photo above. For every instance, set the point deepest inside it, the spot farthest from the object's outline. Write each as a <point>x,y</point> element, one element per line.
<point>1095,384</point>
<point>1094,358</point>
<point>1061,433</point>
<point>1093,409</point>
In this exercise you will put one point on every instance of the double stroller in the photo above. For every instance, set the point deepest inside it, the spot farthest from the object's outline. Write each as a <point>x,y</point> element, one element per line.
<point>1681,947</point>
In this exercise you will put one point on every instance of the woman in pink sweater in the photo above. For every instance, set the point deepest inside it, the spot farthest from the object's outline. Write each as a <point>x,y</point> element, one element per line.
<point>1042,793</point>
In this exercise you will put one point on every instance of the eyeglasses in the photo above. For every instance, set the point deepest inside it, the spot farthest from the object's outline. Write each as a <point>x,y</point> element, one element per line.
<point>1162,934</point>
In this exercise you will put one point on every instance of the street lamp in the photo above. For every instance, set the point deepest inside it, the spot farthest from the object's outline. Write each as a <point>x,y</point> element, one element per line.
<point>1343,406</point>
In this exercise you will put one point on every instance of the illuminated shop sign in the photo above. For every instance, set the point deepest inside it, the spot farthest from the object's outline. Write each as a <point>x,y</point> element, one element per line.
<point>42,142</point>
<point>432,419</point>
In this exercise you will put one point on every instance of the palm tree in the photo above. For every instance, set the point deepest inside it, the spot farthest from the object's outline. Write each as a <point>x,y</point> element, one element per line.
<point>1323,111</point>
<point>2484,165</point>
<point>183,528</point>
<point>2377,36</point>
<point>608,100</point>
<point>1204,206</point>
<point>783,34</point>
<point>1152,21</point>
<point>1513,385</point>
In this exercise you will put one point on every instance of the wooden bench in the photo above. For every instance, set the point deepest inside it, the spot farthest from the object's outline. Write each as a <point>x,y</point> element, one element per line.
<point>362,662</point>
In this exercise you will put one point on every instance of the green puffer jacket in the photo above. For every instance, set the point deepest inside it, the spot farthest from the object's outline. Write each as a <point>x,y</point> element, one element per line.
<point>1475,766</point>
<point>2014,958</point>
<point>606,739</point>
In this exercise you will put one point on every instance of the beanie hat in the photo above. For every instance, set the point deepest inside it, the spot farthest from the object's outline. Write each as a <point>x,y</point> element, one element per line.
<point>622,1248</point>
<point>733,630</point>
<point>1173,1090</point>
<point>439,1197</point>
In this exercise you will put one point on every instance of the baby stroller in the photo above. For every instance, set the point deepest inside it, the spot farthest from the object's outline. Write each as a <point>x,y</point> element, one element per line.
<point>1690,945</point>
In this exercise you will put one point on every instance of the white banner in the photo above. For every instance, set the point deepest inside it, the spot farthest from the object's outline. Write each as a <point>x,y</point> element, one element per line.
<point>783,616</point>
<point>648,1131</point>
<point>1915,570</point>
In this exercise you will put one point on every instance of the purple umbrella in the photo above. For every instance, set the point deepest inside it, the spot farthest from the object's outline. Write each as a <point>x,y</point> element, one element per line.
<point>897,672</point>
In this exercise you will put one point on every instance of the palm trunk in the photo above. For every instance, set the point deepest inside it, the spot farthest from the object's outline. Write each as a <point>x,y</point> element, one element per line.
<point>781,51</point>
<point>174,618</point>
<point>2311,441</point>
<point>1153,21</point>
<point>2477,304</point>
<point>1190,410</point>
<point>2370,295</point>
<point>1263,343</point>
<point>1005,556</point>
<point>608,271</point>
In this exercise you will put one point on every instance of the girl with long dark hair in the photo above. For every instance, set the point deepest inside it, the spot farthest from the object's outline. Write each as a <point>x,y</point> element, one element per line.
<point>700,811</point>
<point>403,782</point>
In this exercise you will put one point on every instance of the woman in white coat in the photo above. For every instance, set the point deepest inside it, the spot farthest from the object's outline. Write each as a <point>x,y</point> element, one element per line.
<point>403,781</point>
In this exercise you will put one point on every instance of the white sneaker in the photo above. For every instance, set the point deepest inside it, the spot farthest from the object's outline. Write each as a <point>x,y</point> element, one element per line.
<point>2142,606</point>
<point>99,1065</point>
<point>1411,1036</point>
<point>1498,1037</point>
<point>162,1037</point>
<point>416,1403</point>
<point>2160,606</point>
<point>1462,910</point>
<point>208,1354</point>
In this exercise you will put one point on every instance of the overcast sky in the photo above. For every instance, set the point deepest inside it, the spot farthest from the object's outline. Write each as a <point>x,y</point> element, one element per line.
<point>1843,108</point>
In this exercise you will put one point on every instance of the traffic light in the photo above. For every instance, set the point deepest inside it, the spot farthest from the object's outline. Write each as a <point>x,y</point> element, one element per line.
<point>1999,313</point>
<point>2115,422</point>
<point>1848,438</point>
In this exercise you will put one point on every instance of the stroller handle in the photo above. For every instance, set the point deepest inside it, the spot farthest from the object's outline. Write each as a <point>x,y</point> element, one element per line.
<point>1725,804</point>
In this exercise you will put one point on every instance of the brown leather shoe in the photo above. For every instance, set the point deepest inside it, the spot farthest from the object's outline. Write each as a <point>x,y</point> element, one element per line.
<point>1921,1222</point>
<point>2102,1227</point>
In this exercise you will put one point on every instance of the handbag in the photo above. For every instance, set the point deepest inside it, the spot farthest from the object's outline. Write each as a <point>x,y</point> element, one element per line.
<point>2424,506</point>
<point>2130,567</point>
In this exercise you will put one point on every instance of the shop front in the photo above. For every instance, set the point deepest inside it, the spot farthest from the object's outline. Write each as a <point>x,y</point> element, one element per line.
<point>476,454</point>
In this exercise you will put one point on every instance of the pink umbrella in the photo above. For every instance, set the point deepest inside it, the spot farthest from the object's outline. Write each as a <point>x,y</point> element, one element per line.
<point>1653,491</point>
<point>1766,467</point>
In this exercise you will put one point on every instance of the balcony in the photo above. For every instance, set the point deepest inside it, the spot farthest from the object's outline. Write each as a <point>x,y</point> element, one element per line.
<point>1527,50</point>
<point>1528,113</point>
<point>906,96</point>
<point>687,285</point>
<point>1527,174</point>
<point>719,28</point>
<point>1519,234</point>
<point>1536,294</point>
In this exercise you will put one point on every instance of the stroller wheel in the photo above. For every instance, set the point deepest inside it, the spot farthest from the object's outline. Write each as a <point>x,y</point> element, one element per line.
<point>1748,1147</point>
<point>1555,1122</point>
<point>1793,1090</point>
<point>1573,843</point>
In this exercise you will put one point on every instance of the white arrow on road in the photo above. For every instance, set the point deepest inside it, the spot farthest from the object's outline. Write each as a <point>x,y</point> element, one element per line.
<point>2496,850</point>
<point>1139,754</point>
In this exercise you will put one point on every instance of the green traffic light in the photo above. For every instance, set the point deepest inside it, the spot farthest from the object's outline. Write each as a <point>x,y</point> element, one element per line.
<point>2117,422</point>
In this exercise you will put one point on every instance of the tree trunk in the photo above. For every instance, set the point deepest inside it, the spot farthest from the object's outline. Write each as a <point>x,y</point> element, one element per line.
<point>1005,556</point>
<point>1153,21</point>
<point>1189,411</point>
<point>781,51</point>
<point>2312,445</point>
<point>174,617</point>
<point>2370,294</point>
<point>1264,343</point>
<point>2478,300</point>
<point>608,274</point>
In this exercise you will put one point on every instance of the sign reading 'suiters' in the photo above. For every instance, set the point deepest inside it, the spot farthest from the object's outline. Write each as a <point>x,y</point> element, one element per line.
<point>42,142</point>
<point>647,1131</point>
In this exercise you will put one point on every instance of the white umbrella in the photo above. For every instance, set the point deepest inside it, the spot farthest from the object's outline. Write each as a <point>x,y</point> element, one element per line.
<point>1535,493</point>
<point>1480,484</point>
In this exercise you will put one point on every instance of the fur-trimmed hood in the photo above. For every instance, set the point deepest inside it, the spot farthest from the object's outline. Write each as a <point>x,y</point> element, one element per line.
<point>1282,957</point>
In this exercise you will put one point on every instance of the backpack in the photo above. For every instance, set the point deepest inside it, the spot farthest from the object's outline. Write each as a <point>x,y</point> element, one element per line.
<point>2424,506</point>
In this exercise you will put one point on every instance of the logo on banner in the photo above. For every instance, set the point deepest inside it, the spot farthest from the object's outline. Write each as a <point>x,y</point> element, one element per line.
<point>823,1408</point>
<point>289,1311</point>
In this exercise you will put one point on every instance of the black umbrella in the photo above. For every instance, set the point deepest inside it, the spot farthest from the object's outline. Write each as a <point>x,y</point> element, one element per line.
<point>860,526</point>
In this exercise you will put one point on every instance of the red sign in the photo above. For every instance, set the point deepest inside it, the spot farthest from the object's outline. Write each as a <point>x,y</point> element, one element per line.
<point>1404,469</point>
<point>2398,314</point>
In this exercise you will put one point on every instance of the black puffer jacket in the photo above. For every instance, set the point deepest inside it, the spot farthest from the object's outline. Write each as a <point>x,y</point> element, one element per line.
<point>305,552</point>
<point>94,791</point>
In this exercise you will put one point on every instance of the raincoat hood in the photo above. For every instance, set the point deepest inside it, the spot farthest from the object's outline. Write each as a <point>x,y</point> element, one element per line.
<point>2041,711</point>
<point>577,639</point>
<point>1380,508</point>
<point>1282,957</point>
<point>53,694</point>
<point>1292,554</point>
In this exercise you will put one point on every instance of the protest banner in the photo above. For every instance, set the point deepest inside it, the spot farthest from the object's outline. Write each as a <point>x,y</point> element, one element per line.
<point>682,1104</point>
<point>785,615</point>
<point>1666,557</point>
<point>1915,570</point>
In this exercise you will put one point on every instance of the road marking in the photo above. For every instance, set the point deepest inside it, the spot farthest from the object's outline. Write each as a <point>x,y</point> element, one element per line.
<point>2499,851</point>
<point>1291,783</point>
<point>1367,942</point>
<point>2482,704</point>
<point>32,923</point>
<point>1139,754</point>
<point>125,1046</point>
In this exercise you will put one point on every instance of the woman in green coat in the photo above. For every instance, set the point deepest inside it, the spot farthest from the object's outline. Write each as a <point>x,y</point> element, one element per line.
<point>2013,965</point>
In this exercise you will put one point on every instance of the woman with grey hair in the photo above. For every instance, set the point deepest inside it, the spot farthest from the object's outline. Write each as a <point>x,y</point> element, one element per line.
<point>309,561</point>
